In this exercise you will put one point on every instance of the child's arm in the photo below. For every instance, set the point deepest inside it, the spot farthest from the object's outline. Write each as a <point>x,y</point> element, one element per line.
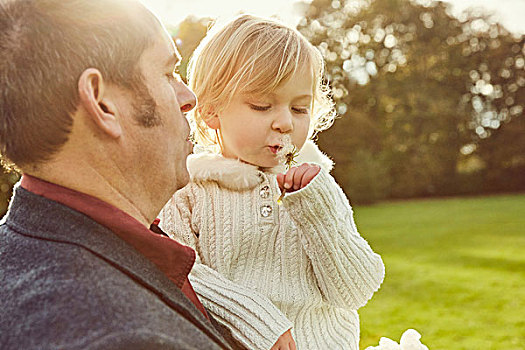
<point>347,269</point>
<point>253,319</point>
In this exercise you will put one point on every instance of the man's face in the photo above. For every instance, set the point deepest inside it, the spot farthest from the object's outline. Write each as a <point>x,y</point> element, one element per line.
<point>157,131</point>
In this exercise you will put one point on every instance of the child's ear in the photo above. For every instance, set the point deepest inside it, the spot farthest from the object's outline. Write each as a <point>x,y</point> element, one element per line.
<point>213,122</point>
<point>210,117</point>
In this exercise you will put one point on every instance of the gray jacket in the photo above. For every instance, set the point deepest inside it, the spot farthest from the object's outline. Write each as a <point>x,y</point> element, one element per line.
<point>66,282</point>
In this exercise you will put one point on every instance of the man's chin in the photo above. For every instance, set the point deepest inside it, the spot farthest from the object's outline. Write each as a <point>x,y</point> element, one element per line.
<point>175,180</point>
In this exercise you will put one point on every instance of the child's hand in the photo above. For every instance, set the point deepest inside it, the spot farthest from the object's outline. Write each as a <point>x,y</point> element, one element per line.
<point>297,177</point>
<point>285,342</point>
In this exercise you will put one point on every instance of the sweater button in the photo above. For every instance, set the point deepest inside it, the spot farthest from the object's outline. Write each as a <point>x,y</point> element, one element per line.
<point>264,192</point>
<point>266,210</point>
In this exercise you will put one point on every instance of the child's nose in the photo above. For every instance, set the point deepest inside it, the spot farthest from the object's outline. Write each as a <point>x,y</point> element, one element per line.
<point>283,121</point>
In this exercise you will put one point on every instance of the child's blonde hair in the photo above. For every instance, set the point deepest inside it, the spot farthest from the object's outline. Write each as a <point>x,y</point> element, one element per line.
<point>252,55</point>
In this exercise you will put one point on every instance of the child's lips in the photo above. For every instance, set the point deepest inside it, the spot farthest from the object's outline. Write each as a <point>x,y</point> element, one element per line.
<point>274,149</point>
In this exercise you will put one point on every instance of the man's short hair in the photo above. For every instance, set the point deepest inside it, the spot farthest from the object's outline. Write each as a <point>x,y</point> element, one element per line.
<point>45,45</point>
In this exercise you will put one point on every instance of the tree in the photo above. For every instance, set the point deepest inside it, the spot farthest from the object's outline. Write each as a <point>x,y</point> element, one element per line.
<point>430,104</point>
<point>187,36</point>
<point>7,181</point>
<point>414,86</point>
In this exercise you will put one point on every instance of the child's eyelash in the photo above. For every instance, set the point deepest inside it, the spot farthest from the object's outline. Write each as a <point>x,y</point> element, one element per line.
<point>259,108</point>
<point>266,108</point>
<point>300,110</point>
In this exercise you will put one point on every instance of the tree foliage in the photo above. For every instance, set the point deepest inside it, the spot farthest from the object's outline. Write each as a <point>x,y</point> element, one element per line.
<point>429,104</point>
<point>7,180</point>
<point>187,35</point>
<point>424,96</point>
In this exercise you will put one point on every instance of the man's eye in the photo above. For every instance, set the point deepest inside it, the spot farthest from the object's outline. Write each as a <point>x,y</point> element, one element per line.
<point>258,107</point>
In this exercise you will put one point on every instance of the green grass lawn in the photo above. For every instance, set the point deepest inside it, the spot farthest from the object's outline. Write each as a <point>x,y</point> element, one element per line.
<point>455,271</point>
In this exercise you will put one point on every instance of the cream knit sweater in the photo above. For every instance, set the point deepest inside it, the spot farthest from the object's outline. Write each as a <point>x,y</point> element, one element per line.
<point>264,268</point>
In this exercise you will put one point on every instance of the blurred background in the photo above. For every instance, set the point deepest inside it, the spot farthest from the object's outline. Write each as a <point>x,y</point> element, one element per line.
<point>429,146</point>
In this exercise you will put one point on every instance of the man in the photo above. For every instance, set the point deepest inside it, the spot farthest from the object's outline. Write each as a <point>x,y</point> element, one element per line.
<point>92,113</point>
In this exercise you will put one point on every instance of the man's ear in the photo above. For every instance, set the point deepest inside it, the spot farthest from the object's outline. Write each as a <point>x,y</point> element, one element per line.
<point>99,107</point>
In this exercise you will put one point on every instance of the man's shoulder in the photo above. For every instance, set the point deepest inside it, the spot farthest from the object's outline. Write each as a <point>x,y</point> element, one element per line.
<point>69,297</point>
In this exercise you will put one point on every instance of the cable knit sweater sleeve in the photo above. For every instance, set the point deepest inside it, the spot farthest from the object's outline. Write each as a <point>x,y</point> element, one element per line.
<point>347,269</point>
<point>253,319</point>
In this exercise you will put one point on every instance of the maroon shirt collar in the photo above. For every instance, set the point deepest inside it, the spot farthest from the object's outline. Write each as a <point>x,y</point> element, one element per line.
<point>172,258</point>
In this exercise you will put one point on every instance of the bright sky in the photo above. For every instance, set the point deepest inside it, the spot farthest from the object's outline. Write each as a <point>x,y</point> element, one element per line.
<point>509,12</point>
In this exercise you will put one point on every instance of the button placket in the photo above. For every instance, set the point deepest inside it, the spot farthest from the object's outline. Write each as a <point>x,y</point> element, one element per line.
<point>265,193</point>
<point>266,210</point>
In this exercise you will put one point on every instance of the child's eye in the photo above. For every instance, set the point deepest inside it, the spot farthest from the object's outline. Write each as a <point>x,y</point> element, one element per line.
<point>300,110</point>
<point>258,107</point>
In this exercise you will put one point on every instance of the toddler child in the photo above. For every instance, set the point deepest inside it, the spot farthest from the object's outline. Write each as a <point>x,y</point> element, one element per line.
<point>264,269</point>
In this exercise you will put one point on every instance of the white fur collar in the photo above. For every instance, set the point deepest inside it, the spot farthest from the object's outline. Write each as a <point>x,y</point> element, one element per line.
<point>233,174</point>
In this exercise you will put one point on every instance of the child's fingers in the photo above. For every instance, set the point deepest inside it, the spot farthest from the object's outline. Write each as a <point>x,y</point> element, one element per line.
<point>297,177</point>
<point>289,178</point>
<point>299,174</point>
<point>309,174</point>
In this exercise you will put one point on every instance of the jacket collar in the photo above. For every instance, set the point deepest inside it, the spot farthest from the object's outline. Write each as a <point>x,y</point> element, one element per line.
<point>206,166</point>
<point>172,258</point>
<point>35,216</point>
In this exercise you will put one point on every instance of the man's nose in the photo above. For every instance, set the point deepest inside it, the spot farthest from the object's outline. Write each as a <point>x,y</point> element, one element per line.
<point>283,121</point>
<point>186,98</point>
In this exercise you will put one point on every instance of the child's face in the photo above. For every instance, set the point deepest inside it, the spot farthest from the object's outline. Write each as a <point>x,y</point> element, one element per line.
<point>252,127</point>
